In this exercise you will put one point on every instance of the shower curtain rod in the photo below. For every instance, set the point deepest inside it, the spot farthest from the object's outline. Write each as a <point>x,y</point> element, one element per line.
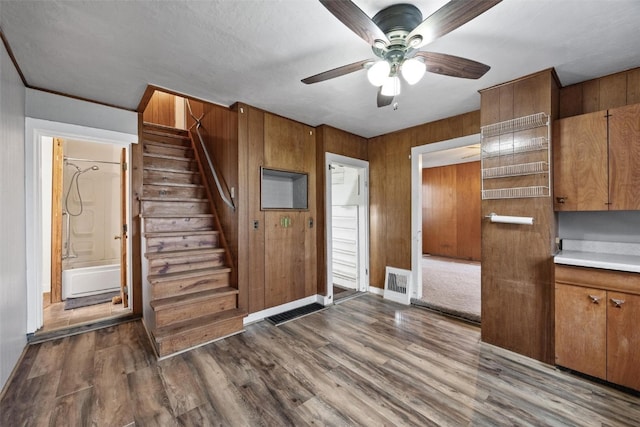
<point>90,160</point>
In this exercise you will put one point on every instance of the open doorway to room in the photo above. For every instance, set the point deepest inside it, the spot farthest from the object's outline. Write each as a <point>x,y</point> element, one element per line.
<point>447,218</point>
<point>85,249</point>
<point>78,183</point>
<point>347,227</point>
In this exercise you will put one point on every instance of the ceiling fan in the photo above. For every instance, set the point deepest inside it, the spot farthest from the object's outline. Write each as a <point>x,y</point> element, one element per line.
<point>395,35</point>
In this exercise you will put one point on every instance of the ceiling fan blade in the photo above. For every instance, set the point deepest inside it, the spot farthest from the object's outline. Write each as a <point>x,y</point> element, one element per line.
<point>337,72</point>
<point>454,66</point>
<point>355,19</point>
<point>383,100</point>
<point>449,17</point>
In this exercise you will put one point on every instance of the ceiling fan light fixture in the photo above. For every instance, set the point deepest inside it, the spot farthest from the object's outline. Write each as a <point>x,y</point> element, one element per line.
<point>378,73</point>
<point>412,70</point>
<point>391,86</point>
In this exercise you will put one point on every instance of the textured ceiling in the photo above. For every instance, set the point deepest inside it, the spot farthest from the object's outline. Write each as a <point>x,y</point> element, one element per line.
<point>258,51</point>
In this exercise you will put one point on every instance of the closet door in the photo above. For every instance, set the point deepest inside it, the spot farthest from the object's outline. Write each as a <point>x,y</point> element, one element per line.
<point>284,257</point>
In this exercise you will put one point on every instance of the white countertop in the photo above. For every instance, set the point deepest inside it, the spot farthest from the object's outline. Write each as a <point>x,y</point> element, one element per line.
<point>608,261</point>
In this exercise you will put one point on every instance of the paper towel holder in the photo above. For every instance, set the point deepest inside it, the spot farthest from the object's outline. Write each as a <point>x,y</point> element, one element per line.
<point>524,220</point>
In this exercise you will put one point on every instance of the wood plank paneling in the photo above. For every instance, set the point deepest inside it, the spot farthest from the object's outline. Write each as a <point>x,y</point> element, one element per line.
<point>390,188</point>
<point>439,211</point>
<point>633,86</point>
<point>161,109</point>
<point>255,159</point>
<point>612,91</point>
<point>517,267</point>
<point>468,214</point>
<point>451,211</point>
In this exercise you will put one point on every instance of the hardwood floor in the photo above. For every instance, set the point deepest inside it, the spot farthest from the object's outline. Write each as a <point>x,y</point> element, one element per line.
<point>399,366</point>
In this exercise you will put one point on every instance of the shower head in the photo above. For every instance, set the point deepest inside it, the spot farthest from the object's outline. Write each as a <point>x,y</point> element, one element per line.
<point>92,168</point>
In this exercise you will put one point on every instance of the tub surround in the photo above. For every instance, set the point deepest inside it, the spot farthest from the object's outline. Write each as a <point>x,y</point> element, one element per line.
<point>606,255</point>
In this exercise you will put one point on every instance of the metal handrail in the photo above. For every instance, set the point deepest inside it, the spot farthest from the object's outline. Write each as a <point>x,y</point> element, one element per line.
<point>227,201</point>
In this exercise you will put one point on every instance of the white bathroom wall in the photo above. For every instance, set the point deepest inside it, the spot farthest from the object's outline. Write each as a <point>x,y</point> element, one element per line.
<point>46,167</point>
<point>92,232</point>
<point>13,280</point>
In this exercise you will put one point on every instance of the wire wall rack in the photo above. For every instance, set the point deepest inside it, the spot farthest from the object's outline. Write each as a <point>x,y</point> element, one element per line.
<point>507,152</point>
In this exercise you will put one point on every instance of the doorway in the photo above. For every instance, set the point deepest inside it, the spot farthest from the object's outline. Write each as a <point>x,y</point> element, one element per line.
<point>446,227</point>
<point>88,226</point>
<point>79,212</point>
<point>347,227</point>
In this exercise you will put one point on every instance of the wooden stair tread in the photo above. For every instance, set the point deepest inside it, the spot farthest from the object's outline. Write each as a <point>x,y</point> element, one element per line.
<point>167,157</point>
<point>182,327</point>
<point>189,274</point>
<point>179,233</point>
<point>181,253</point>
<point>171,215</point>
<point>174,184</point>
<point>159,130</point>
<point>172,199</point>
<point>177,300</point>
<point>165,145</point>
<point>159,169</point>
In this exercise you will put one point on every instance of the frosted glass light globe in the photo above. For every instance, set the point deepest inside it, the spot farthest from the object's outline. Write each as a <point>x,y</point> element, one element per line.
<point>378,73</point>
<point>412,70</point>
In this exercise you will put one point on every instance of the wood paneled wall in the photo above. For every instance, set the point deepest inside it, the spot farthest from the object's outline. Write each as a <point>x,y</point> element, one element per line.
<point>614,90</point>
<point>390,188</point>
<point>220,134</point>
<point>331,140</point>
<point>451,211</point>
<point>161,109</point>
<point>517,261</point>
<point>265,139</point>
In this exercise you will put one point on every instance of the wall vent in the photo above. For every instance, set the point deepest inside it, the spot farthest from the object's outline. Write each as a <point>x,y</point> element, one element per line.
<point>397,285</point>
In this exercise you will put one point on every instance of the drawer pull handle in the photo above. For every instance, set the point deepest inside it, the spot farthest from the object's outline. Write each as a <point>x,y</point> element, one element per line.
<point>617,302</point>
<point>594,299</point>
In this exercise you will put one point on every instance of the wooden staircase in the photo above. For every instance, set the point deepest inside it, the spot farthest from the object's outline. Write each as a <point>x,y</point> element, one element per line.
<point>188,300</point>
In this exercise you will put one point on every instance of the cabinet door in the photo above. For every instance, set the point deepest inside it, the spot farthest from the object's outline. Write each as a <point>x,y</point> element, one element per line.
<point>623,339</point>
<point>580,181</point>
<point>624,158</point>
<point>284,257</point>
<point>581,328</point>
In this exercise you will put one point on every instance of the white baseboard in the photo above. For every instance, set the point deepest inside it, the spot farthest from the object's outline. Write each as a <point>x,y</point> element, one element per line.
<point>376,291</point>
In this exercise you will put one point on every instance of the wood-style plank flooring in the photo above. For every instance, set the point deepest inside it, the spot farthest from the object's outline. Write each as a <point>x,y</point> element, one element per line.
<point>363,362</point>
<point>55,317</point>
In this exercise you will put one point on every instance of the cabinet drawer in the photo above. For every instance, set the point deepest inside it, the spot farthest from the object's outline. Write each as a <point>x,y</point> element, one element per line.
<point>610,280</point>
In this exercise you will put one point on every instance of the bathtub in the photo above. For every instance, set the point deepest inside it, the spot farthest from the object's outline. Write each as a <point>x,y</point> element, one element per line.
<point>92,280</point>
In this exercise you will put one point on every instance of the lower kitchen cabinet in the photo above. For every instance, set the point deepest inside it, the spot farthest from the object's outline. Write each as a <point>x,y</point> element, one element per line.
<point>596,323</point>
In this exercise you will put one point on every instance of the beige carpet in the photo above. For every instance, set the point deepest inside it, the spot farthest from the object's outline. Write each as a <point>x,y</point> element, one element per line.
<point>451,286</point>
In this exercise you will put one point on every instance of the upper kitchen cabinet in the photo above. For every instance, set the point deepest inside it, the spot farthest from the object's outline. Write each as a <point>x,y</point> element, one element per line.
<point>596,159</point>
<point>580,163</point>
<point>624,158</point>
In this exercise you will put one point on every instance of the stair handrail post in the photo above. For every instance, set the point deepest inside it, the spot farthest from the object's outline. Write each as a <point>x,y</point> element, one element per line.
<point>223,196</point>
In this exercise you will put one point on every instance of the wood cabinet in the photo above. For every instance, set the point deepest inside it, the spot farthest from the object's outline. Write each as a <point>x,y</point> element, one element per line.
<point>597,161</point>
<point>596,331</point>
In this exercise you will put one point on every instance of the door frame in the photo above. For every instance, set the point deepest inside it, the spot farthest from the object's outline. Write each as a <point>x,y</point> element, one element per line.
<point>36,130</point>
<point>363,222</point>
<point>417,154</point>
